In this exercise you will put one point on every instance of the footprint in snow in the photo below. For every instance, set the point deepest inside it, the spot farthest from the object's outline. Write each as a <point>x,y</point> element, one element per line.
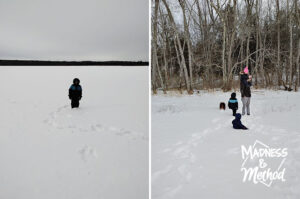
<point>184,171</point>
<point>65,118</point>
<point>87,153</point>
<point>156,175</point>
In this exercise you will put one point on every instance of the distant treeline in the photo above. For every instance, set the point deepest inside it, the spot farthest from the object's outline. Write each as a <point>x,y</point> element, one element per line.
<point>71,63</point>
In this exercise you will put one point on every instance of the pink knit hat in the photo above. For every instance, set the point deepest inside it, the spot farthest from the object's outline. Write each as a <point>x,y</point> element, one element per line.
<point>246,71</point>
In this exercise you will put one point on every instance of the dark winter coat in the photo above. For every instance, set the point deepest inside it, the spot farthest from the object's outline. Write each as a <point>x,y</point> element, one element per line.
<point>233,102</point>
<point>245,86</point>
<point>75,92</point>
<point>237,124</point>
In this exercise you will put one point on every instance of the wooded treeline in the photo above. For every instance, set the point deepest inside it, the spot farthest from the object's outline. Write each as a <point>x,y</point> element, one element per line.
<point>203,44</point>
<point>71,63</point>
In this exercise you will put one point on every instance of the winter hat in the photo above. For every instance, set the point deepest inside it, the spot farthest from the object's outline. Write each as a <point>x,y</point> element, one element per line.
<point>76,80</point>
<point>233,95</point>
<point>238,116</point>
<point>246,71</point>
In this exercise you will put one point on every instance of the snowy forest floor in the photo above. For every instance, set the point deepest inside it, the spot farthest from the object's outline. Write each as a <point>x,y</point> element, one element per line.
<point>48,150</point>
<point>197,154</point>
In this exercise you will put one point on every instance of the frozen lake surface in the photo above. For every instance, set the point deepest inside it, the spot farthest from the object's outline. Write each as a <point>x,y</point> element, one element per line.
<point>49,151</point>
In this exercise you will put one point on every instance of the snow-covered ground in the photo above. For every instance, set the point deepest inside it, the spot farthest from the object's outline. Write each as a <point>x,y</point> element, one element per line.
<point>197,154</point>
<point>49,151</point>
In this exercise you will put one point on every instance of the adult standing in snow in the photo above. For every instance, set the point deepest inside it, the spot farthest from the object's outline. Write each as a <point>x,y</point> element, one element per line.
<point>245,85</point>
<point>75,93</point>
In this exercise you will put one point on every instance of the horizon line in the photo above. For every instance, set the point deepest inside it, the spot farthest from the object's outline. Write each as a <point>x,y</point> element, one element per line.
<point>19,62</point>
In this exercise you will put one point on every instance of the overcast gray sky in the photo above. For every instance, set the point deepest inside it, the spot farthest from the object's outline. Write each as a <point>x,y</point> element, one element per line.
<point>74,29</point>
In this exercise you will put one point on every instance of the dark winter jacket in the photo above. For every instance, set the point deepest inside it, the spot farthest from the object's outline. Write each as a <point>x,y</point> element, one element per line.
<point>245,86</point>
<point>233,103</point>
<point>75,92</point>
<point>237,124</point>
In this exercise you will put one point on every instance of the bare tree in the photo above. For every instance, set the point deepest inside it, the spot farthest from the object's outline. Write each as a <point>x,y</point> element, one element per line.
<point>202,44</point>
<point>182,62</point>
<point>154,47</point>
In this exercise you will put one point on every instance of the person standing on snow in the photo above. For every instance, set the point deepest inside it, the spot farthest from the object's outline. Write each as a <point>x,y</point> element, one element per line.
<point>245,85</point>
<point>75,93</point>
<point>233,103</point>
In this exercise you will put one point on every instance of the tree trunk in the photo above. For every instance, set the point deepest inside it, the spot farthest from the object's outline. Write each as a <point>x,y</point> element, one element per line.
<point>154,47</point>
<point>278,43</point>
<point>188,86</point>
<point>297,67</point>
<point>188,42</point>
<point>291,45</point>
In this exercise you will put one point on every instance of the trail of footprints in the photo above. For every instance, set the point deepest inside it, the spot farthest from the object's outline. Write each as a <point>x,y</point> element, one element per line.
<point>87,152</point>
<point>183,156</point>
<point>63,118</point>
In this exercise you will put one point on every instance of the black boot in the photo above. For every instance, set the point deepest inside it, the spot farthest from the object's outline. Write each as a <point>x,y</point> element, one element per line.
<point>233,112</point>
<point>75,103</point>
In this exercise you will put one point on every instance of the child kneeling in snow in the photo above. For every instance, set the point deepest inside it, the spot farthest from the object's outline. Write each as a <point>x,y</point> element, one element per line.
<point>233,103</point>
<point>237,124</point>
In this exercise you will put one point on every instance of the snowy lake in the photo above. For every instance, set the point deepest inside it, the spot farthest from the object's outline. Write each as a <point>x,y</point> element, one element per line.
<point>49,151</point>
